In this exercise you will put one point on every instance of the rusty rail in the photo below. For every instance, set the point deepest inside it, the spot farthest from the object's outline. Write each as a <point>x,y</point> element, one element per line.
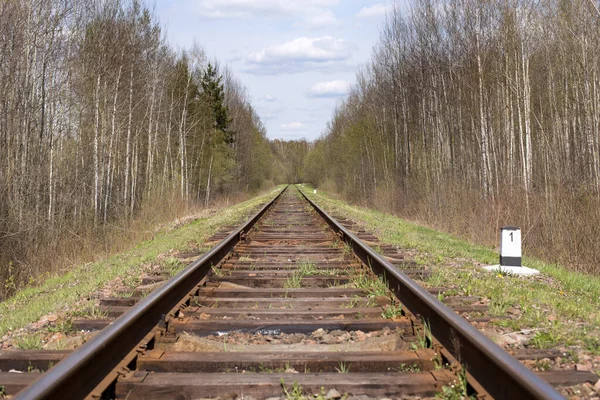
<point>501,375</point>
<point>77,375</point>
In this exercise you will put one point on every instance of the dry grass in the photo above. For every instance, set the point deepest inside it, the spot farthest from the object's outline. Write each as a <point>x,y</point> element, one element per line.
<point>32,257</point>
<point>561,225</point>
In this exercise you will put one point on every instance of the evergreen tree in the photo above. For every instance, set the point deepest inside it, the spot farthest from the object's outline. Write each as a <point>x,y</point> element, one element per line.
<point>214,94</point>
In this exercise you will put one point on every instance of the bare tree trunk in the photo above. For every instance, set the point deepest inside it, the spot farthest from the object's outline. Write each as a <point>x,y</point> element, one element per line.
<point>128,143</point>
<point>96,133</point>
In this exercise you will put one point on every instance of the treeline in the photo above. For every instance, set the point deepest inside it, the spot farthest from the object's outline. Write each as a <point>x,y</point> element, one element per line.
<point>473,114</point>
<point>100,120</point>
<point>289,158</point>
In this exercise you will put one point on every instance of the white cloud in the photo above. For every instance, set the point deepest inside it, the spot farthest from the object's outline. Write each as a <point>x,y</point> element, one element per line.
<point>335,88</point>
<point>292,126</point>
<point>299,55</point>
<point>269,97</point>
<point>304,49</point>
<point>375,10</point>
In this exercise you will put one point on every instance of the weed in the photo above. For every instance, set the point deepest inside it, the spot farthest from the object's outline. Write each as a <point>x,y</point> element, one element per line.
<point>306,268</point>
<point>2,391</point>
<point>424,338</point>
<point>408,368</point>
<point>392,311</point>
<point>543,340</point>
<point>437,362</point>
<point>343,368</point>
<point>503,273</point>
<point>322,394</point>
<point>347,249</point>
<point>353,302</point>
<point>30,342</point>
<point>217,271</point>
<point>294,281</point>
<point>123,294</point>
<point>373,285</point>
<point>543,365</point>
<point>65,326</point>
<point>592,345</point>
<point>265,370</point>
<point>458,389</point>
<point>295,394</point>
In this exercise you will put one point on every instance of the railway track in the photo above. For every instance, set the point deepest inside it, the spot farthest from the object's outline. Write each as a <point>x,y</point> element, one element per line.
<point>291,303</point>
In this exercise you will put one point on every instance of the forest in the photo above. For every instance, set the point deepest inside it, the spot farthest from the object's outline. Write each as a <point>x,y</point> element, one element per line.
<point>474,114</point>
<point>470,115</point>
<point>102,124</point>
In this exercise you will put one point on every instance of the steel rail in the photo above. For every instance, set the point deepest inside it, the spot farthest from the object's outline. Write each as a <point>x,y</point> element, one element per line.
<point>78,374</point>
<point>501,375</point>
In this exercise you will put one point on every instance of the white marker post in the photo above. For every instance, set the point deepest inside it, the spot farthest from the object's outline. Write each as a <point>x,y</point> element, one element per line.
<point>315,191</point>
<point>510,254</point>
<point>510,246</point>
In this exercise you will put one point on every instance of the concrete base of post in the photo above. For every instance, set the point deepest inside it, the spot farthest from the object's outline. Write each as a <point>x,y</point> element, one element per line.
<point>521,271</point>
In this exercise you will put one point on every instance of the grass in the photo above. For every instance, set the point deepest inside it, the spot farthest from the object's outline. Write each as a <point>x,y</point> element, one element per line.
<point>424,338</point>
<point>562,305</point>
<point>30,342</point>
<point>296,392</point>
<point>372,284</point>
<point>457,390</point>
<point>392,311</point>
<point>343,368</point>
<point>63,290</point>
<point>305,268</point>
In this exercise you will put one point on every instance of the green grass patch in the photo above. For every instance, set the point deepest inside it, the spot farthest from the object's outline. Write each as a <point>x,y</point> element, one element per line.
<point>559,306</point>
<point>61,291</point>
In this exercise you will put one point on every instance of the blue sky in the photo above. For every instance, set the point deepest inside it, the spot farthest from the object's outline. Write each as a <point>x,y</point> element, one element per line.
<point>295,57</point>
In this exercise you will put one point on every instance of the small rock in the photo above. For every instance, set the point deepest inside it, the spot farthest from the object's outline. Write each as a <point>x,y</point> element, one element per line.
<point>329,339</point>
<point>333,394</point>
<point>582,367</point>
<point>318,333</point>
<point>597,386</point>
<point>52,318</point>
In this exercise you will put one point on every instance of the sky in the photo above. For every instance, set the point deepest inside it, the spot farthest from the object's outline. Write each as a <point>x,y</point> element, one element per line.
<point>296,58</point>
